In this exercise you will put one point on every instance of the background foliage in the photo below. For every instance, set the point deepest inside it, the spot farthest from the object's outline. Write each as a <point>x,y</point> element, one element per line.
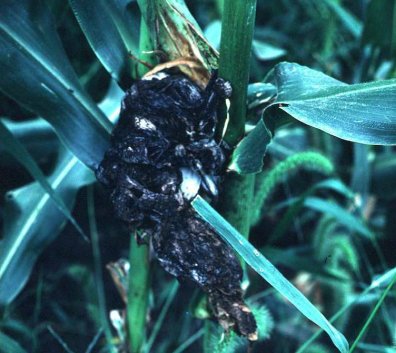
<point>318,161</point>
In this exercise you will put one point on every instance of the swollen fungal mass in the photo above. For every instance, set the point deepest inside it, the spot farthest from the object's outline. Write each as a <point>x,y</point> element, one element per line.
<point>163,152</point>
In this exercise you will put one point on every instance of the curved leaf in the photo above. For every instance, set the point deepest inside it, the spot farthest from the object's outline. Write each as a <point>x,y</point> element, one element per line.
<point>266,270</point>
<point>108,26</point>
<point>364,113</point>
<point>265,51</point>
<point>32,221</point>
<point>259,94</point>
<point>37,74</point>
<point>247,157</point>
<point>14,147</point>
<point>339,213</point>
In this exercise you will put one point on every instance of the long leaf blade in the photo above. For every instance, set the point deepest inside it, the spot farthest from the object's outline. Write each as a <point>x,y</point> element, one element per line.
<point>37,74</point>
<point>342,215</point>
<point>266,270</point>
<point>31,220</point>
<point>14,147</point>
<point>108,28</point>
<point>364,113</point>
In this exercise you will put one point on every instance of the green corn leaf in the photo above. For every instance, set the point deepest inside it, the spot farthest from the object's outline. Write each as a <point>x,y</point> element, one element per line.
<point>364,113</point>
<point>9,345</point>
<point>247,157</point>
<point>109,29</point>
<point>32,220</point>
<point>266,270</point>
<point>14,147</point>
<point>259,94</point>
<point>37,74</point>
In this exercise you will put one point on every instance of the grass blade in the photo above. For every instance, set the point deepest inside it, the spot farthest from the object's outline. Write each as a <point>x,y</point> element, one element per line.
<point>197,335</point>
<point>97,258</point>
<point>339,213</point>
<point>266,270</point>
<point>160,320</point>
<point>372,314</point>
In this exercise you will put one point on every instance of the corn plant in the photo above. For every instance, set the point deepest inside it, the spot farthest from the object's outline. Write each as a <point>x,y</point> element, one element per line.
<point>306,201</point>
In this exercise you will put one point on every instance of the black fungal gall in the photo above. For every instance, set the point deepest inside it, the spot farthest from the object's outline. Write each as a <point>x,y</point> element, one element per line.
<point>163,152</point>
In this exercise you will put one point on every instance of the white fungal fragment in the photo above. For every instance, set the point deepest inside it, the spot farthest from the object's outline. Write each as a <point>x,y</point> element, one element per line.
<point>144,124</point>
<point>210,184</point>
<point>190,184</point>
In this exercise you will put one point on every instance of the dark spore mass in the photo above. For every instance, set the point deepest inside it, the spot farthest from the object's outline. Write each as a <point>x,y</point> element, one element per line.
<point>163,152</point>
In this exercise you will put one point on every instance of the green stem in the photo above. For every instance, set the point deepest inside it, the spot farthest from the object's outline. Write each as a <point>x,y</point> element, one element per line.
<point>235,48</point>
<point>160,320</point>
<point>98,270</point>
<point>220,7</point>
<point>372,314</point>
<point>234,64</point>
<point>340,312</point>
<point>238,19</point>
<point>138,293</point>
<point>139,273</point>
<point>236,201</point>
